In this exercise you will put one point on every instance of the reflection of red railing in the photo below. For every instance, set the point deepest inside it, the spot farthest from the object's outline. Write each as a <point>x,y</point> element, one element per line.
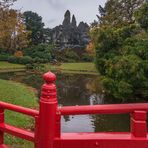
<point>48,134</point>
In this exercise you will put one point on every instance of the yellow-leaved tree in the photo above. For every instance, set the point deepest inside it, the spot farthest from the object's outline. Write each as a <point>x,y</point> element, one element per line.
<point>13,34</point>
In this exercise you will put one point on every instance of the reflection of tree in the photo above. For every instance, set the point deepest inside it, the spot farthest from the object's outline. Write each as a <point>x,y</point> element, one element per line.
<point>106,123</point>
<point>94,85</point>
<point>71,89</point>
<point>96,90</point>
<point>96,99</point>
<point>66,118</point>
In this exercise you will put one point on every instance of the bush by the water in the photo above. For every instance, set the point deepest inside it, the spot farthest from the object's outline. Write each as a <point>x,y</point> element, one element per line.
<point>40,53</point>
<point>35,54</point>
<point>72,56</point>
<point>87,58</point>
<point>4,57</point>
<point>20,60</point>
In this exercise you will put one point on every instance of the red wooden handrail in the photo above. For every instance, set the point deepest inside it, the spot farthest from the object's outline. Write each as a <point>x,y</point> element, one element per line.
<point>18,132</point>
<point>103,109</point>
<point>16,108</point>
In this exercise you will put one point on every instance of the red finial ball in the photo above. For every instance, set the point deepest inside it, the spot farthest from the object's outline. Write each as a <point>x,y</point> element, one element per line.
<point>49,77</point>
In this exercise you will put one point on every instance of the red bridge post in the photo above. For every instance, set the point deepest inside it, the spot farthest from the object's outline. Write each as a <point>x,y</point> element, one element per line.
<point>47,113</point>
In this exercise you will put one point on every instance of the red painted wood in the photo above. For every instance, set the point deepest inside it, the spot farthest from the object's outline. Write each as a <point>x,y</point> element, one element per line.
<point>58,125</point>
<point>100,140</point>
<point>4,146</point>
<point>19,109</point>
<point>47,113</point>
<point>139,124</point>
<point>1,122</point>
<point>18,132</point>
<point>103,109</point>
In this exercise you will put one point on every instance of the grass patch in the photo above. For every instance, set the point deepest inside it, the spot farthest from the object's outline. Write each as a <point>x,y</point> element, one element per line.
<point>6,65</point>
<point>74,67</point>
<point>17,94</point>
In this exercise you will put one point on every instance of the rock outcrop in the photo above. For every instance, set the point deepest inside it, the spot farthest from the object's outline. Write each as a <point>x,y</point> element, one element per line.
<point>67,18</point>
<point>69,35</point>
<point>74,22</point>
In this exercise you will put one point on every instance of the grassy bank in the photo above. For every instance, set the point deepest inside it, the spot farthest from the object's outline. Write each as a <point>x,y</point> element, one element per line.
<point>88,68</point>
<point>80,68</point>
<point>5,66</point>
<point>17,94</point>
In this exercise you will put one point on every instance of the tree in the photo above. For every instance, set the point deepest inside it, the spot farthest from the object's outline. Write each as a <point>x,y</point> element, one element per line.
<point>122,55</point>
<point>94,24</point>
<point>6,3</point>
<point>142,16</point>
<point>13,33</point>
<point>35,26</point>
<point>118,12</point>
<point>46,35</point>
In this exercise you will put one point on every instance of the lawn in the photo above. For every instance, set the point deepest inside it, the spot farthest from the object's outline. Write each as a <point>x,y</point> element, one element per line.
<point>17,94</point>
<point>81,68</point>
<point>74,67</point>
<point>9,66</point>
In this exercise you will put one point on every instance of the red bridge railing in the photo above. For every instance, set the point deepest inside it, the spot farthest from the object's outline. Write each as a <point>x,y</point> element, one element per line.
<point>48,134</point>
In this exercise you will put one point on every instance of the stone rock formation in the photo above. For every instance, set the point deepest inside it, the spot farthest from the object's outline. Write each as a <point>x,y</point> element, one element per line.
<point>67,17</point>
<point>74,23</point>
<point>69,35</point>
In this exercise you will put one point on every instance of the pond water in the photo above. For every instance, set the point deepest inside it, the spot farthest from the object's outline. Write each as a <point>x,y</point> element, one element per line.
<point>77,89</point>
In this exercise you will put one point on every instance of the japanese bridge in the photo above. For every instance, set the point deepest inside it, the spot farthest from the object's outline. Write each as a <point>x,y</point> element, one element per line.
<point>48,134</point>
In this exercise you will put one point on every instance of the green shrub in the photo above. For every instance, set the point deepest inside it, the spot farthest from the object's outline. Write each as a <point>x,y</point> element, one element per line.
<point>40,53</point>
<point>25,60</point>
<point>20,60</point>
<point>87,58</point>
<point>13,59</point>
<point>72,55</point>
<point>4,57</point>
<point>70,60</point>
<point>39,60</point>
<point>4,52</point>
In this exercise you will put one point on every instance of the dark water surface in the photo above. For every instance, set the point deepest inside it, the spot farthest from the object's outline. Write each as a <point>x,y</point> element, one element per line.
<point>77,89</point>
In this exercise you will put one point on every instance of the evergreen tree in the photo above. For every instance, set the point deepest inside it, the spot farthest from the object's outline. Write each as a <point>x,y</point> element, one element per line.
<point>121,50</point>
<point>35,26</point>
<point>142,16</point>
<point>119,12</point>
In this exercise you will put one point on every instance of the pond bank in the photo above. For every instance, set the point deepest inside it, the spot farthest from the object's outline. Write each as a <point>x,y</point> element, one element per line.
<point>22,95</point>
<point>80,68</point>
<point>75,68</point>
<point>8,67</point>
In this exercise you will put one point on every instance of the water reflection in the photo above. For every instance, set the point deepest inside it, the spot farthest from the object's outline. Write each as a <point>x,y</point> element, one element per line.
<point>76,89</point>
<point>96,99</point>
<point>77,124</point>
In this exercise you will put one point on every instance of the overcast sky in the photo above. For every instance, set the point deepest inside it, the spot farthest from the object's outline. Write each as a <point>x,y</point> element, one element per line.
<point>53,11</point>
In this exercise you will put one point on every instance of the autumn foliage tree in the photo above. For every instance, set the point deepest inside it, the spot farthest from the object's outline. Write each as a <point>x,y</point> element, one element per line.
<point>13,34</point>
